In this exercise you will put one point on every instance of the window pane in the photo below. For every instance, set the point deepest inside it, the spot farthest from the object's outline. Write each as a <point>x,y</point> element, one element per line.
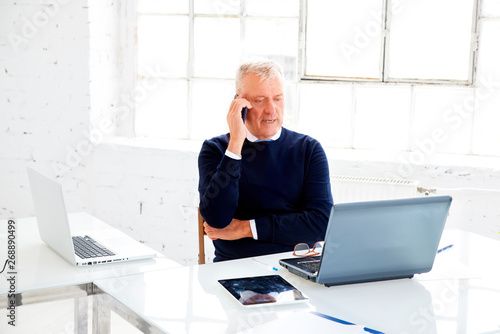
<point>290,113</point>
<point>217,47</point>
<point>275,39</point>
<point>163,7</point>
<point>490,8</point>
<point>430,39</point>
<point>325,113</point>
<point>486,119</point>
<point>210,104</point>
<point>161,108</point>
<point>159,48</point>
<point>382,117</point>
<point>343,38</point>
<point>218,7</point>
<point>277,8</point>
<point>489,51</point>
<point>442,121</point>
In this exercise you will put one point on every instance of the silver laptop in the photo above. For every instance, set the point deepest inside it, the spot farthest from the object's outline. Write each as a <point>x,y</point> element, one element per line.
<point>83,250</point>
<point>379,240</point>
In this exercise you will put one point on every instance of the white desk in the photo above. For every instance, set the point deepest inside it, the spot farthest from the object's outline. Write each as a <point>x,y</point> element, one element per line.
<point>460,295</point>
<point>39,267</point>
<point>42,275</point>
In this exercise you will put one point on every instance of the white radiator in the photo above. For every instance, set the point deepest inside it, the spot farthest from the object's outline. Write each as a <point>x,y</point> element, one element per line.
<point>347,189</point>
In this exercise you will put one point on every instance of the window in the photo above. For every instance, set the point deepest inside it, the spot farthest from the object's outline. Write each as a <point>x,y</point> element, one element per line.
<point>390,40</point>
<point>190,50</point>
<point>194,47</point>
<point>343,39</point>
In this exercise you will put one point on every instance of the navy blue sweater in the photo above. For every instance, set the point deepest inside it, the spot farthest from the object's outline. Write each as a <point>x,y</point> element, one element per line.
<point>283,184</point>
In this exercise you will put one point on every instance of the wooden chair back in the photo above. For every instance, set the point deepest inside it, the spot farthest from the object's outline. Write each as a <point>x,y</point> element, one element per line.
<point>201,239</point>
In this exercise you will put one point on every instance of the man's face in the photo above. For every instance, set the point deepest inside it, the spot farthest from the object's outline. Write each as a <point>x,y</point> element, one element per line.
<point>265,117</point>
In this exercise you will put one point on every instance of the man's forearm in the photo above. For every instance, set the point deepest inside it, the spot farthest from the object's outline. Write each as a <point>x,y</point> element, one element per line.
<point>237,229</point>
<point>219,193</point>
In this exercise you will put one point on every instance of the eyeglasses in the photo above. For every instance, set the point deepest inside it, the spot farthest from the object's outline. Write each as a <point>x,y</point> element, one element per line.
<point>304,250</point>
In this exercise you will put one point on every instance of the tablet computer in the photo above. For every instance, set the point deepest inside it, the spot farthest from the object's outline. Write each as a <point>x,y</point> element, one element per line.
<point>263,290</point>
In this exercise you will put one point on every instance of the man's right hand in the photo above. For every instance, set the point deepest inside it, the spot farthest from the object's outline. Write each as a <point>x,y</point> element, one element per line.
<point>237,129</point>
<point>237,229</point>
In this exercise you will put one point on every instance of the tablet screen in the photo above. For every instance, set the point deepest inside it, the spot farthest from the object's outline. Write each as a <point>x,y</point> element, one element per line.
<point>273,289</point>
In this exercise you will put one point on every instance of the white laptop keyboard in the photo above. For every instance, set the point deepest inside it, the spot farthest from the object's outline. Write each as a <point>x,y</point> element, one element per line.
<point>87,248</point>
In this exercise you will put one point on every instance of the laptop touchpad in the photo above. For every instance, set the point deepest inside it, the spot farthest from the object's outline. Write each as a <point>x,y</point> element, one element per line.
<point>120,244</point>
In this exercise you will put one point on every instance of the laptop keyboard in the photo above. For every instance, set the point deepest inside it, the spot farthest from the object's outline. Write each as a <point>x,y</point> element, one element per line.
<point>87,248</point>
<point>310,265</point>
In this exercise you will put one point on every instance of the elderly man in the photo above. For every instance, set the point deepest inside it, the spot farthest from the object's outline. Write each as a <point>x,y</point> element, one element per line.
<point>263,188</point>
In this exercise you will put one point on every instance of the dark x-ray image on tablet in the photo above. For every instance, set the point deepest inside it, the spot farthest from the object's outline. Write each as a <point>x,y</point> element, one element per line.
<point>261,290</point>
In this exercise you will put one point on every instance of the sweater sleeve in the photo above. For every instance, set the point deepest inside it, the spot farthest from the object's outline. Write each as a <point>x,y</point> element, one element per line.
<point>309,223</point>
<point>218,185</point>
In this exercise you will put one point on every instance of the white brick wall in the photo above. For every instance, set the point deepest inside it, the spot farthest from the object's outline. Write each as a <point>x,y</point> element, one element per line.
<point>50,97</point>
<point>150,194</point>
<point>44,92</point>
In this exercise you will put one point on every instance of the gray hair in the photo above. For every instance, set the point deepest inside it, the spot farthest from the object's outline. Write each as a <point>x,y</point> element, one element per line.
<point>265,68</point>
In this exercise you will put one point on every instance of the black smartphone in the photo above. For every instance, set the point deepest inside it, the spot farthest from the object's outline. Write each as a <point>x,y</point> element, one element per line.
<point>243,111</point>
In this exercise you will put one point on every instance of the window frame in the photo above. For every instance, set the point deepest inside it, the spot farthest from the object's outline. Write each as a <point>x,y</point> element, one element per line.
<point>128,127</point>
<point>383,72</point>
<point>191,77</point>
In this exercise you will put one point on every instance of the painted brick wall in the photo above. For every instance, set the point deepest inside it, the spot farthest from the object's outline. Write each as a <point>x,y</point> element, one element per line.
<point>151,194</point>
<point>44,94</point>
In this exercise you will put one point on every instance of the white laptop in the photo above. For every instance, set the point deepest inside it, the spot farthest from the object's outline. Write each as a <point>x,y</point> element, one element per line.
<point>54,229</point>
<point>378,240</point>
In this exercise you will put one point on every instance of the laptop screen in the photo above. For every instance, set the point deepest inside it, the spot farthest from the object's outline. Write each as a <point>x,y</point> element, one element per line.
<point>383,239</point>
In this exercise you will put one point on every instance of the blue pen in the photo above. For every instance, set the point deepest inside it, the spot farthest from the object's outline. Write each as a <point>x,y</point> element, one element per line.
<point>444,248</point>
<point>265,265</point>
<point>343,322</point>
